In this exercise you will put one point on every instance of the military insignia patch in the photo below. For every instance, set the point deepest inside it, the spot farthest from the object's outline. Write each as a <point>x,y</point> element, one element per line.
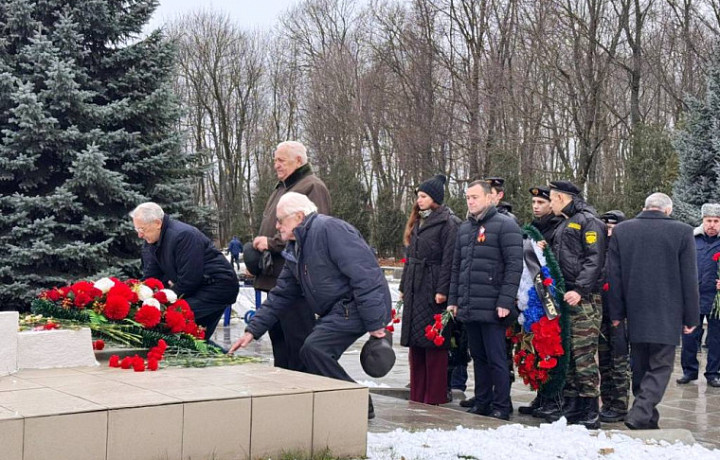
<point>574,225</point>
<point>591,237</point>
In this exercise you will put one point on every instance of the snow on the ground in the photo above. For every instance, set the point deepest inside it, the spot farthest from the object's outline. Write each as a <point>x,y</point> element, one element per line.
<point>371,384</point>
<point>513,442</point>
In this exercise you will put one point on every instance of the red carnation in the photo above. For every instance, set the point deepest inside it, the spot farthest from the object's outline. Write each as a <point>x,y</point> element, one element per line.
<point>431,334</point>
<point>396,320</point>
<point>114,361</point>
<point>148,316</point>
<point>98,345</point>
<point>139,366</point>
<point>53,294</point>
<point>126,362</point>
<point>606,287</point>
<point>547,281</point>
<point>152,364</point>
<point>49,326</point>
<point>390,328</point>
<point>154,284</point>
<point>82,299</point>
<point>201,333</point>
<point>123,290</point>
<point>161,297</point>
<point>547,363</point>
<point>716,256</point>
<point>162,344</point>
<point>175,321</point>
<point>116,306</point>
<point>403,260</point>
<point>439,340</point>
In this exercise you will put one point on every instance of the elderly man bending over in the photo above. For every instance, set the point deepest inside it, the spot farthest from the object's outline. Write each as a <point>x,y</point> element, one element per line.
<point>187,262</point>
<point>329,264</point>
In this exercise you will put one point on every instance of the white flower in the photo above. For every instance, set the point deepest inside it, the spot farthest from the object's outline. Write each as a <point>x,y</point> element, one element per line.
<point>104,284</point>
<point>170,294</point>
<point>144,292</point>
<point>152,302</point>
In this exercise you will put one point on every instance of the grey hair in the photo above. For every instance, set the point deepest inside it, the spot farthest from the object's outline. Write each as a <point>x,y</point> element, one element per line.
<point>294,148</point>
<point>148,212</point>
<point>293,202</point>
<point>659,201</point>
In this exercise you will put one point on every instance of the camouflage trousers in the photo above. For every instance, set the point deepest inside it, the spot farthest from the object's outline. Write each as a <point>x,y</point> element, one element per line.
<point>582,376</point>
<point>614,370</point>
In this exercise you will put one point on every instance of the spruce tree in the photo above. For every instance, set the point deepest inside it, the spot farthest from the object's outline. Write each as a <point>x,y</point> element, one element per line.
<point>698,148</point>
<point>87,122</point>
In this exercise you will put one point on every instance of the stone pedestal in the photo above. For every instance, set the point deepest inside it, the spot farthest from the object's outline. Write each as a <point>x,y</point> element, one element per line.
<point>8,342</point>
<point>56,348</point>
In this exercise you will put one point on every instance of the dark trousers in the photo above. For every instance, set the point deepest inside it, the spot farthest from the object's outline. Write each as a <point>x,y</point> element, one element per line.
<point>288,336</point>
<point>652,364</point>
<point>235,261</point>
<point>492,380</point>
<point>691,344</point>
<point>428,375</point>
<point>209,303</point>
<point>332,335</point>
<point>458,359</point>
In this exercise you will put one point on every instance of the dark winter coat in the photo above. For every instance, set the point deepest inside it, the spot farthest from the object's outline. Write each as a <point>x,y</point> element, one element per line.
<point>652,278</point>
<point>706,247</point>
<point>547,225</point>
<point>426,273</point>
<point>332,267</point>
<point>235,247</point>
<point>486,274</point>
<point>579,244</point>
<point>303,181</point>
<point>186,257</point>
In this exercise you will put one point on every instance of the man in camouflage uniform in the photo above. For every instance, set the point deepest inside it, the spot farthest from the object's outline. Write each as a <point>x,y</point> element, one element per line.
<point>579,245</point>
<point>613,351</point>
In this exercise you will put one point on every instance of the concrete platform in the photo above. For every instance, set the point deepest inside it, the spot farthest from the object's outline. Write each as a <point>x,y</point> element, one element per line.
<point>232,412</point>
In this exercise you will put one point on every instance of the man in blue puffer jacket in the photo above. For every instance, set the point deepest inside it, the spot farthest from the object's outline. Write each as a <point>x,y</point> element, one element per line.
<point>486,270</point>
<point>707,243</point>
<point>329,264</point>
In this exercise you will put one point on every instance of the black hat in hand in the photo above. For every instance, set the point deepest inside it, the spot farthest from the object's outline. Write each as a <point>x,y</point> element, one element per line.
<point>377,356</point>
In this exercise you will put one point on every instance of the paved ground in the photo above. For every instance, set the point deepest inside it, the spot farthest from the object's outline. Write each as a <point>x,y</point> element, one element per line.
<point>695,406</point>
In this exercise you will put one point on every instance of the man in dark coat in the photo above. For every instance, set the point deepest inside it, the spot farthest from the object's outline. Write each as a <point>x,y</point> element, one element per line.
<point>294,174</point>
<point>486,271</point>
<point>187,262</point>
<point>329,265</point>
<point>707,244</point>
<point>235,248</point>
<point>579,246</point>
<point>652,281</point>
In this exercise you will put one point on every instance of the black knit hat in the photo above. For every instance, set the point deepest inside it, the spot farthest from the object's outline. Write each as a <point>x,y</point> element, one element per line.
<point>434,187</point>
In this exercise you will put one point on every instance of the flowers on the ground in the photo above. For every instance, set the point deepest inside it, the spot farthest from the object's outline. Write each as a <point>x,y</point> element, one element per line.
<point>139,364</point>
<point>98,344</point>
<point>144,303</point>
<point>434,331</point>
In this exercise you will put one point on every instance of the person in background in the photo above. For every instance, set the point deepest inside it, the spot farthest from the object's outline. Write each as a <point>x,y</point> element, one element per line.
<point>486,270</point>
<point>235,248</point>
<point>187,262</point>
<point>652,281</point>
<point>430,240</point>
<point>613,352</point>
<point>294,174</point>
<point>707,244</point>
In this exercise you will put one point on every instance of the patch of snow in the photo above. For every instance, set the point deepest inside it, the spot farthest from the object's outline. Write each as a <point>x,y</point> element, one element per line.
<point>371,384</point>
<point>513,442</point>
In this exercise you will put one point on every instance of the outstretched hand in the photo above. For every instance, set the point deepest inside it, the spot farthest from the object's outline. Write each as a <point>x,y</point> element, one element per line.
<point>242,342</point>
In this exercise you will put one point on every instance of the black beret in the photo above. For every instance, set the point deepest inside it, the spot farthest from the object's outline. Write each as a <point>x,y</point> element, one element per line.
<point>252,258</point>
<point>564,186</point>
<point>377,356</point>
<point>613,217</point>
<point>496,182</point>
<point>541,192</point>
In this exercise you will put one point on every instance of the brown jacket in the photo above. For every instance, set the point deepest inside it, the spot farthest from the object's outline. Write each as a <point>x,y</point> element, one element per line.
<point>304,181</point>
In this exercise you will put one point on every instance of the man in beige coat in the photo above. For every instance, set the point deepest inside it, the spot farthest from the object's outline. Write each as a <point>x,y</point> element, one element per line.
<point>294,174</point>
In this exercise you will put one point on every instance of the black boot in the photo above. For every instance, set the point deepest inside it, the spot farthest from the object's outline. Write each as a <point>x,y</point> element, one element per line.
<point>569,408</point>
<point>371,409</point>
<point>611,415</point>
<point>590,417</point>
<point>470,402</point>
<point>534,405</point>
<point>549,407</point>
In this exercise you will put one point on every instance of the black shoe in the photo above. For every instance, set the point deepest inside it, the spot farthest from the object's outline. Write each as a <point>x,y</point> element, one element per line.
<point>549,408</point>
<point>500,415</point>
<point>480,410</point>
<point>371,409</point>
<point>684,379</point>
<point>534,405</point>
<point>589,417</point>
<point>611,415</point>
<point>638,426</point>
<point>470,402</point>
<point>570,410</point>
<point>714,382</point>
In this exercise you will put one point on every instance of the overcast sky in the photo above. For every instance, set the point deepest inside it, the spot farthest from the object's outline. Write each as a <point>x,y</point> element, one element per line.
<point>248,13</point>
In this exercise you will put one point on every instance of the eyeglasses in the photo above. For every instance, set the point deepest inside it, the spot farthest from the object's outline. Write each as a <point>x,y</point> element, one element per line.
<point>140,229</point>
<point>281,219</point>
